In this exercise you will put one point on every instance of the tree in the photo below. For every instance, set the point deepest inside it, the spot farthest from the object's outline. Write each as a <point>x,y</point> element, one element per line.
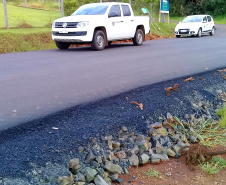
<point>5,13</point>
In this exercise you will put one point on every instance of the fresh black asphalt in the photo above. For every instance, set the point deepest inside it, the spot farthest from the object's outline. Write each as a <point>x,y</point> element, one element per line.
<point>100,74</point>
<point>38,143</point>
<point>36,84</point>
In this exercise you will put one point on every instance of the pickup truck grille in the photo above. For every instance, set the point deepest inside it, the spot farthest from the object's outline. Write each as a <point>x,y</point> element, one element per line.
<point>69,24</point>
<point>184,31</point>
<point>78,33</point>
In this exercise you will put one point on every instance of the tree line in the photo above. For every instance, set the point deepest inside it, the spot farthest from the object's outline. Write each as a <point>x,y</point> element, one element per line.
<point>192,7</point>
<point>177,7</point>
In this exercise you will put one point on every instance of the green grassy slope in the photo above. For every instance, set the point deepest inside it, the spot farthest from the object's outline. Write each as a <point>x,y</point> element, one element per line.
<point>34,17</point>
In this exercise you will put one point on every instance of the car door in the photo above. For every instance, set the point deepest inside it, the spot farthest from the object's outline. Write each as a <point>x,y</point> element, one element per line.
<point>114,23</point>
<point>204,24</point>
<point>128,20</point>
<point>210,24</point>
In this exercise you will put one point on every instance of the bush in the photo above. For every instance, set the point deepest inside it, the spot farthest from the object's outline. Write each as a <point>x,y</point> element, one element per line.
<point>70,6</point>
<point>222,114</point>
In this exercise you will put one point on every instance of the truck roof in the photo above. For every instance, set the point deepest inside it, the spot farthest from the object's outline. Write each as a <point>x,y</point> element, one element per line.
<point>110,3</point>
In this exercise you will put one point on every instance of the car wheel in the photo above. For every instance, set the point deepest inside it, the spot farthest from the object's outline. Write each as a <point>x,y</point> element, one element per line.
<point>99,40</point>
<point>212,31</point>
<point>62,45</point>
<point>138,38</point>
<point>178,36</point>
<point>109,43</point>
<point>199,32</point>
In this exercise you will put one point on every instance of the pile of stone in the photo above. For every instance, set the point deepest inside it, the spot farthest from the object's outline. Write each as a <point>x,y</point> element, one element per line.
<point>105,159</point>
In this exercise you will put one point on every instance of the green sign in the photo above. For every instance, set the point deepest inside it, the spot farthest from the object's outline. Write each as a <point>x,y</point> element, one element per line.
<point>145,10</point>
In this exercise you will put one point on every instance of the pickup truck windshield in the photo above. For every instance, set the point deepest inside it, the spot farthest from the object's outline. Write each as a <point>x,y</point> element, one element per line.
<point>91,9</point>
<point>192,19</point>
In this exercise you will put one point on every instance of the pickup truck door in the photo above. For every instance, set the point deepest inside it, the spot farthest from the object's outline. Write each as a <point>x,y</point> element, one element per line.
<point>115,23</point>
<point>129,22</point>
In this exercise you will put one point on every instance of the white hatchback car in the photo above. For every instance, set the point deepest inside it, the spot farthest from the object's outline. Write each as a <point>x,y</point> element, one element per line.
<point>195,25</point>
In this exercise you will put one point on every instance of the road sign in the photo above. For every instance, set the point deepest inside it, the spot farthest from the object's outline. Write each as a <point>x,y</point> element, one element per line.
<point>145,10</point>
<point>164,6</point>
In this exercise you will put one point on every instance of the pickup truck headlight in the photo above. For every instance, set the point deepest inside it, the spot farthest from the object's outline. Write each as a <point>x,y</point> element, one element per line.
<point>53,25</point>
<point>82,24</point>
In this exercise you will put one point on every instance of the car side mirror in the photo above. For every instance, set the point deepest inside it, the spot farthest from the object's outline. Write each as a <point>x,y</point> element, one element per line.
<point>179,22</point>
<point>113,14</point>
<point>204,21</point>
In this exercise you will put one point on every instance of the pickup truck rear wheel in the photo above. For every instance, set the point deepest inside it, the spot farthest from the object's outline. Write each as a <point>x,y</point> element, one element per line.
<point>138,38</point>
<point>62,45</point>
<point>99,40</point>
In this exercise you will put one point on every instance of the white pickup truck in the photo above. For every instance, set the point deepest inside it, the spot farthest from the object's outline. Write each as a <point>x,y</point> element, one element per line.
<point>99,24</point>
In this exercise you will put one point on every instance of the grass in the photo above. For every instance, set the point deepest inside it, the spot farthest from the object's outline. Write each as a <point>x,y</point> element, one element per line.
<point>214,166</point>
<point>222,114</point>
<point>47,5</point>
<point>208,132</point>
<point>151,173</point>
<point>163,29</point>
<point>217,19</point>
<point>33,17</point>
<point>30,39</point>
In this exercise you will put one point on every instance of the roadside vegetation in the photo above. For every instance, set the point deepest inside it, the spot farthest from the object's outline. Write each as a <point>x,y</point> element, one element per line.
<point>214,166</point>
<point>29,39</point>
<point>32,17</point>
<point>222,114</point>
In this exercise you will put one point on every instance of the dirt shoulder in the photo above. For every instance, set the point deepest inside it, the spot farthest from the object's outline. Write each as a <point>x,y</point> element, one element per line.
<point>174,172</point>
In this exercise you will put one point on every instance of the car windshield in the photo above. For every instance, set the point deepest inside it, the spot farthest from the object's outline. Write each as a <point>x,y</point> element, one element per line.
<point>192,19</point>
<point>91,9</point>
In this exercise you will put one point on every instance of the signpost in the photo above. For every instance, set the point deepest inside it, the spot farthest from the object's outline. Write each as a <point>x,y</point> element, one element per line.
<point>164,8</point>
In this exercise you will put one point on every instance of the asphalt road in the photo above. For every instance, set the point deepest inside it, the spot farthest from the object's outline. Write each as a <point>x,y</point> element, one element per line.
<point>38,83</point>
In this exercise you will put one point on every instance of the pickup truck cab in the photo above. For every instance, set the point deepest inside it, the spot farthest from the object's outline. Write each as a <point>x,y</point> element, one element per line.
<point>99,24</point>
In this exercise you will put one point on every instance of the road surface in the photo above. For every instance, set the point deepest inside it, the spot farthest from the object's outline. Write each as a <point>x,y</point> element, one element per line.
<point>38,83</point>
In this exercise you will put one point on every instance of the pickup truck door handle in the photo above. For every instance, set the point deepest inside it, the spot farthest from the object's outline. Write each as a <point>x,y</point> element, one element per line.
<point>132,20</point>
<point>121,21</point>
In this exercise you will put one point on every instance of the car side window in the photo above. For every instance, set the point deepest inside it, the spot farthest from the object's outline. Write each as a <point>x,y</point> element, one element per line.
<point>115,8</point>
<point>126,10</point>
<point>204,19</point>
<point>209,18</point>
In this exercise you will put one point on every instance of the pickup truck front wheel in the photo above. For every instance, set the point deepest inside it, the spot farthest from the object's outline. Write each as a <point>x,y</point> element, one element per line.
<point>99,40</point>
<point>62,45</point>
<point>138,38</point>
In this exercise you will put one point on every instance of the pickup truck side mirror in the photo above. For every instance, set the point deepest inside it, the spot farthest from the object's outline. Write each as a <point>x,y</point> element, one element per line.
<point>113,14</point>
<point>204,21</point>
<point>179,22</point>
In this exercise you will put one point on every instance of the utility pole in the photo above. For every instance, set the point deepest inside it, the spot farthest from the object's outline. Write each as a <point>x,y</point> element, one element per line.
<point>43,1</point>
<point>100,1</point>
<point>62,8</point>
<point>5,13</point>
<point>25,3</point>
<point>59,5</point>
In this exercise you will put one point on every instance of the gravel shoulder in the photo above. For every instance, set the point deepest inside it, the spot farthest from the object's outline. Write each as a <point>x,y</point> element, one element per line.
<point>39,151</point>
